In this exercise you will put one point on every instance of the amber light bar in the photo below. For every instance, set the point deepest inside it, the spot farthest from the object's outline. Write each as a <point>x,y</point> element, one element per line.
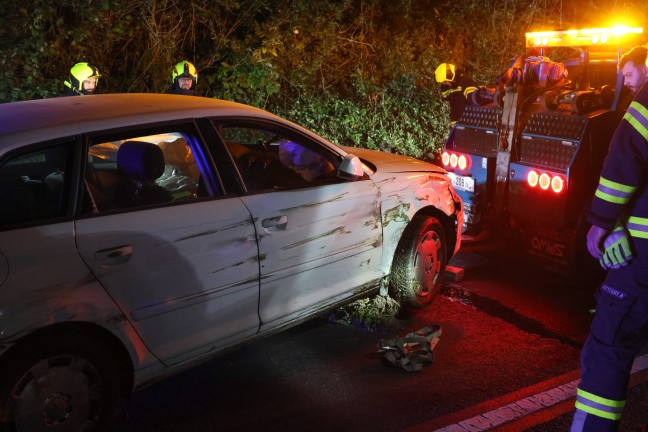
<point>584,37</point>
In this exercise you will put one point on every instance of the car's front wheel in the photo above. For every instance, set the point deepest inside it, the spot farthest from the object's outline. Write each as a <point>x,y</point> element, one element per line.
<point>59,383</point>
<point>420,262</point>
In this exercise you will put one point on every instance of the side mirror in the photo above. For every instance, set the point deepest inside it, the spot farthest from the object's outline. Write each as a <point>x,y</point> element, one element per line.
<point>351,168</point>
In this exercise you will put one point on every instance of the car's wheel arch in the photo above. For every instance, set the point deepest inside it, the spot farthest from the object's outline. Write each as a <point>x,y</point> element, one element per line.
<point>449,225</point>
<point>90,331</point>
<point>446,230</point>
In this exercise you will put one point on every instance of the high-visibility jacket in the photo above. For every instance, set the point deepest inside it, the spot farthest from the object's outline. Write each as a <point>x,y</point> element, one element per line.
<point>620,327</point>
<point>458,94</point>
<point>622,193</point>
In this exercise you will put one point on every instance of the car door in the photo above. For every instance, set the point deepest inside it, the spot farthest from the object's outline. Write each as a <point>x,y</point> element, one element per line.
<point>176,254</point>
<point>42,277</point>
<point>320,235</point>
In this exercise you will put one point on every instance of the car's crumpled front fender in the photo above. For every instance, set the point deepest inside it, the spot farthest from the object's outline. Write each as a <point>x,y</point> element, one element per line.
<point>406,194</point>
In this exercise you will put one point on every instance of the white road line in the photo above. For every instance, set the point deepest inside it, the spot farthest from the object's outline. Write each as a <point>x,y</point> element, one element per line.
<point>526,406</point>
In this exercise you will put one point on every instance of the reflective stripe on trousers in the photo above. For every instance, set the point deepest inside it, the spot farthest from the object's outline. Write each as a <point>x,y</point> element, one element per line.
<point>606,412</point>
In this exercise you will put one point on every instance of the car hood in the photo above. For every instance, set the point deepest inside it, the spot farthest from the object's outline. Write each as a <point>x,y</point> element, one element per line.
<point>392,163</point>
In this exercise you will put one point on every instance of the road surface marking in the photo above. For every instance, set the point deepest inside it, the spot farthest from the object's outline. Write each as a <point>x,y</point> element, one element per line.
<point>523,407</point>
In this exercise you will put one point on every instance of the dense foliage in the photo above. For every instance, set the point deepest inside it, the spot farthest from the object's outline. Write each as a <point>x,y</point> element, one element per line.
<point>359,72</point>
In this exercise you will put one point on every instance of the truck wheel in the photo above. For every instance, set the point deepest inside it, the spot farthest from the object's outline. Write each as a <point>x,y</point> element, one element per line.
<point>60,383</point>
<point>420,262</point>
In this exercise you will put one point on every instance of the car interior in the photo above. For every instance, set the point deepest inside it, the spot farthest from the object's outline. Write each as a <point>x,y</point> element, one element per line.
<point>141,171</point>
<point>32,186</point>
<point>142,163</point>
<point>268,162</point>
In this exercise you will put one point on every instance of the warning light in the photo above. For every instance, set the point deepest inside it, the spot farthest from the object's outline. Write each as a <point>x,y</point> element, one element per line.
<point>545,181</point>
<point>532,178</point>
<point>583,37</point>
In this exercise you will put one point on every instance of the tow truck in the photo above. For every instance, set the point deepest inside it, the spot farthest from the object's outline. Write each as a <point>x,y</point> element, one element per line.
<point>526,156</point>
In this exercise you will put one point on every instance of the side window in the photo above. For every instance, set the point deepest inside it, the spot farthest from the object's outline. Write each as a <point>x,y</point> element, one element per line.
<point>270,161</point>
<point>145,170</point>
<point>35,186</point>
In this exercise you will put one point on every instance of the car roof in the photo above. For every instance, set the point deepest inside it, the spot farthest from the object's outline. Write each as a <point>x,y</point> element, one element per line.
<point>44,119</point>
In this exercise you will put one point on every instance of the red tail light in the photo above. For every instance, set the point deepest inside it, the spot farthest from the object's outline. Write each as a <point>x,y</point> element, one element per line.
<point>557,184</point>
<point>455,160</point>
<point>546,180</point>
<point>462,163</point>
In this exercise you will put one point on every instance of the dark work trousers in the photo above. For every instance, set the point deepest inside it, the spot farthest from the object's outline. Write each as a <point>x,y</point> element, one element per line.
<point>619,331</point>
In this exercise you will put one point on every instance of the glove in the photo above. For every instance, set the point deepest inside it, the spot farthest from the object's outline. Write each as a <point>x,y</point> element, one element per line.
<point>617,252</point>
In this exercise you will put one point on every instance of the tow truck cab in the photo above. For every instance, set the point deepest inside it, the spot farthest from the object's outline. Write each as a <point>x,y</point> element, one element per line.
<point>529,160</point>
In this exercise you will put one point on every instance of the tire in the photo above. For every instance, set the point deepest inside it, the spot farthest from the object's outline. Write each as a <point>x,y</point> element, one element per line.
<point>420,262</point>
<point>65,382</point>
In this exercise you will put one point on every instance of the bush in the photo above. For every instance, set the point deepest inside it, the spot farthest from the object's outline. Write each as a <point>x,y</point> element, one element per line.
<point>359,72</point>
<point>402,118</point>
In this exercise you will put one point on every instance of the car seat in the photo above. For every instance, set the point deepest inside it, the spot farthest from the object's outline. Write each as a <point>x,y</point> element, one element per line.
<point>143,163</point>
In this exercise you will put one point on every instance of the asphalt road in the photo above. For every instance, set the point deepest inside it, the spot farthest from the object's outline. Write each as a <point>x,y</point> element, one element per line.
<point>510,331</point>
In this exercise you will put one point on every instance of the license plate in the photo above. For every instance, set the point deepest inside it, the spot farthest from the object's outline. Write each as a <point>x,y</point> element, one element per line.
<point>462,183</point>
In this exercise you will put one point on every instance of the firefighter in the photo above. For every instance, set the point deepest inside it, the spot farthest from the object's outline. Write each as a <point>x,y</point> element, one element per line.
<point>83,79</point>
<point>456,88</point>
<point>634,69</point>
<point>184,77</point>
<point>619,239</point>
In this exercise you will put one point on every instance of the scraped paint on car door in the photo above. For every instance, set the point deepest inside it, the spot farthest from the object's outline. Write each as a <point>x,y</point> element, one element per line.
<point>320,236</point>
<point>184,271</point>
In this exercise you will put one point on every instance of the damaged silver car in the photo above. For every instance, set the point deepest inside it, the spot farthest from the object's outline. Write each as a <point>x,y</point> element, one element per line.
<point>140,234</point>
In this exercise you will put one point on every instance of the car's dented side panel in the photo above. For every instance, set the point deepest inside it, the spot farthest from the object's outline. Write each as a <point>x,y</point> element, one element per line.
<point>70,294</point>
<point>189,281</point>
<point>315,244</point>
<point>398,208</point>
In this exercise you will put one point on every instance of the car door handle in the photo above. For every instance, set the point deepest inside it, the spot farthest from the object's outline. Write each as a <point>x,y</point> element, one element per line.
<point>116,255</point>
<point>275,223</point>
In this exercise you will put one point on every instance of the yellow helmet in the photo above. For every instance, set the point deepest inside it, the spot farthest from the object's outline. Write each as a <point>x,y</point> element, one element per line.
<point>79,73</point>
<point>184,69</point>
<point>445,72</point>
